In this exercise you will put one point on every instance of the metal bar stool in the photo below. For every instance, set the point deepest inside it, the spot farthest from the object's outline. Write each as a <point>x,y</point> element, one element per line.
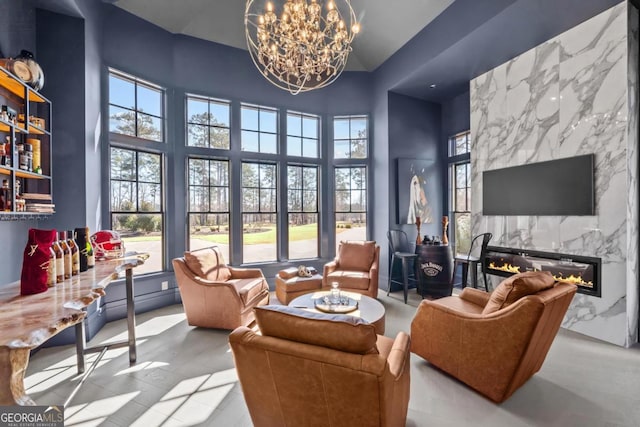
<point>469,261</point>
<point>399,246</point>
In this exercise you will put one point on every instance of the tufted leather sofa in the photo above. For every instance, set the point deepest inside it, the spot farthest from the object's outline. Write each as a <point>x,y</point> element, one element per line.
<point>216,295</point>
<point>315,369</point>
<point>355,268</point>
<point>494,352</point>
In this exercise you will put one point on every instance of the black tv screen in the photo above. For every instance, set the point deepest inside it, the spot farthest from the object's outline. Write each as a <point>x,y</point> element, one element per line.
<point>557,187</point>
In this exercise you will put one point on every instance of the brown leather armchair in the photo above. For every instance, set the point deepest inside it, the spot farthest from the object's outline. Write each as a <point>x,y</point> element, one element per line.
<point>495,353</point>
<point>355,268</point>
<point>216,295</point>
<point>312,369</point>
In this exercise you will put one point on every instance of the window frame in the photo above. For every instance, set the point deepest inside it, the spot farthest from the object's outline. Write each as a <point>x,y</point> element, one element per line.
<point>302,136</point>
<point>138,82</point>
<point>351,139</point>
<point>454,161</point>
<point>302,211</point>
<point>259,211</point>
<point>137,144</point>
<point>258,131</point>
<point>209,126</point>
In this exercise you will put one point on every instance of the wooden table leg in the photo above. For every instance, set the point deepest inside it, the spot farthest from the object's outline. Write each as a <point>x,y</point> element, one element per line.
<point>13,365</point>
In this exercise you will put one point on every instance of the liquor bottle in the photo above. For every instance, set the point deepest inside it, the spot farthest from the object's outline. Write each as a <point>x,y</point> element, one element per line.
<point>81,235</point>
<point>62,235</point>
<point>3,155</point>
<point>59,261</point>
<point>51,269</point>
<point>91,259</point>
<point>5,196</point>
<point>75,254</point>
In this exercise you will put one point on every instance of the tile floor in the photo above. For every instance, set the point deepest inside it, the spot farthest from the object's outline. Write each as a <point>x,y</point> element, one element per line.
<point>185,377</point>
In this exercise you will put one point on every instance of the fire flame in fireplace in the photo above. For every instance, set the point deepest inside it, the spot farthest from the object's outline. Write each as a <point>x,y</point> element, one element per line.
<point>505,267</point>
<point>576,280</point>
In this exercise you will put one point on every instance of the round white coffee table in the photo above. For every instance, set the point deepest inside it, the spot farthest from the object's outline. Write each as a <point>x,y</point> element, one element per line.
<point>369,308</point>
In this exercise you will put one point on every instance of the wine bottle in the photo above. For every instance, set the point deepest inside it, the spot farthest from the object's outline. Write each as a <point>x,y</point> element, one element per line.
<point>67,254</point>
<point>91,258</point>
<point>80,235</point>
<point>59,261</point>
<point>75,254</point>
<point>51,269</point>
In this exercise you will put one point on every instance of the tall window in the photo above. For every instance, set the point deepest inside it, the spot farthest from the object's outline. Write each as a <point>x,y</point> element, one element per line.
<point>259,129</point>
<point>460,190</point>
<point>259,212</point>
<point>209,204</point>
<point>303,211</point>
<point>136,203</point>
<point>303,135</point>
<point>137,116</point>
<point>350,135</point>
<point>208,123</point>
<point>351,203</point>
<point>136,108</point>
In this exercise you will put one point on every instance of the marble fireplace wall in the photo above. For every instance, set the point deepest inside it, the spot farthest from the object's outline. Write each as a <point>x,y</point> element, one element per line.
<point>574,94</point>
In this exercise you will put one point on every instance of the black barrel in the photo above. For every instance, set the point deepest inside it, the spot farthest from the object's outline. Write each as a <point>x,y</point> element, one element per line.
<point>435,269</point>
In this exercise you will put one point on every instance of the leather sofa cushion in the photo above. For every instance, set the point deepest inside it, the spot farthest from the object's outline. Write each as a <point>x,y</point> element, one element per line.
<point>337,331</point>
<point>208,264</point>
<point>350,279</point>
<point>517,286</point>
<point>357,256</point>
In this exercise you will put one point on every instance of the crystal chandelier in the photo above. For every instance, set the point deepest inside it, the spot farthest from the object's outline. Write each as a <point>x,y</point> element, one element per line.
<point>299,46</point>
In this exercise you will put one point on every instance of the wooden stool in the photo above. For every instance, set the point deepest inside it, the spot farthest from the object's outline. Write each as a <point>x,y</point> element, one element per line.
<point>289,285</point>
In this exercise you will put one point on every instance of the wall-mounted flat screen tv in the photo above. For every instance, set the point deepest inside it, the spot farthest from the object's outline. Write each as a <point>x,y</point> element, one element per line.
<point>556,187</point>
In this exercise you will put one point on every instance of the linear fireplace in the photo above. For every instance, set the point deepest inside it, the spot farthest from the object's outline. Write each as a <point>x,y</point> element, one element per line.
<point>583,271</point>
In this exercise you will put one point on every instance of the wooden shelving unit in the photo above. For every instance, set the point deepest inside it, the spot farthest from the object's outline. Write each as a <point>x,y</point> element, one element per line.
<point>28,104</point>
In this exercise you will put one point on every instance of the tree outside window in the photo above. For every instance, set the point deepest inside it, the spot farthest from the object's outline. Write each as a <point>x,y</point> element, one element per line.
<point>208,122</point>
<point>136,107</point>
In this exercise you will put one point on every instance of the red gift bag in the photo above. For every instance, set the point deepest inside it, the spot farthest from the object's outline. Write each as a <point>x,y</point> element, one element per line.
<point>35,261</point>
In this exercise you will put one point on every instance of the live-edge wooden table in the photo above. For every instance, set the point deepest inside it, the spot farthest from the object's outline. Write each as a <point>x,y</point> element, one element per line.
<point>28,321</point>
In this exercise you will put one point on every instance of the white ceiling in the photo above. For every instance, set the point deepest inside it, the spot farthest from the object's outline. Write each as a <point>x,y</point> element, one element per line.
<point>386,25</point>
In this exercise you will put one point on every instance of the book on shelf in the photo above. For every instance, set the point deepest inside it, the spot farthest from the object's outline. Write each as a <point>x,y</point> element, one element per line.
<point>36,196</point>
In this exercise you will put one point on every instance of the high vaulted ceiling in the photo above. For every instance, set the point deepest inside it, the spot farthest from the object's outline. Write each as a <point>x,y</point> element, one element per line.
<point>386,25</point>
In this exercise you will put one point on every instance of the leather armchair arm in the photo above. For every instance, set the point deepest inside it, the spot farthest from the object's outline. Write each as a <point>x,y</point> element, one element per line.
<point>330,267</point>
<point>475,296</point>
<point>398,355</point>
<point>245,273</point>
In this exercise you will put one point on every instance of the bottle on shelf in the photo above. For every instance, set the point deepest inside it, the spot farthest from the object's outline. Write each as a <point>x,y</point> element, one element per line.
<point>81,238</point>
<point>34,143</point>
<point>7,152</point>
<point>51,269</point>
<point>3,154</point>
<point>5,196</point>
<point>62,241</point>
<point>21,204</point>
<point>75,254</point>
<point>59,261</point>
